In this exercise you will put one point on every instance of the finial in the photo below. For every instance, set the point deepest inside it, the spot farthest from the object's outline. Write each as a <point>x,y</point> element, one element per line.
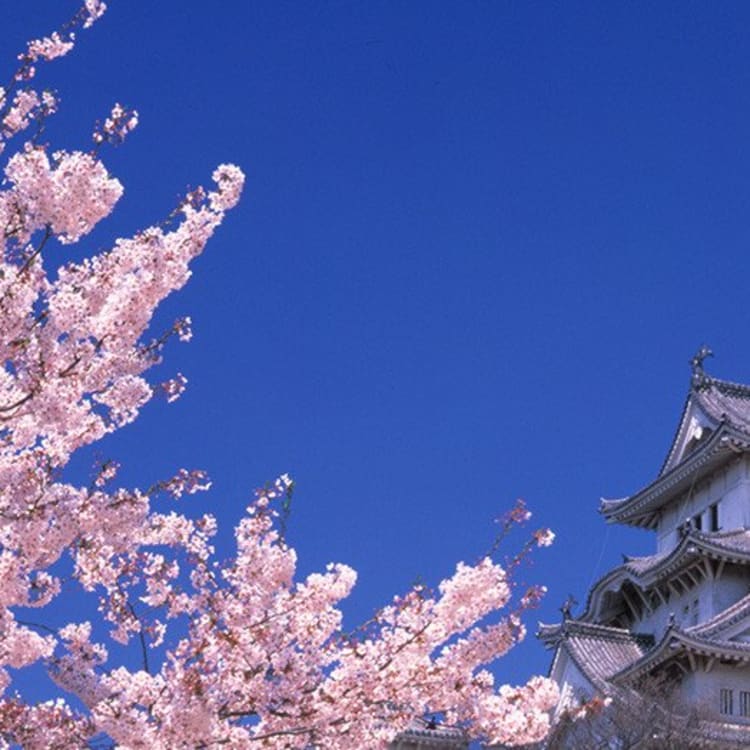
<point>700,379</point>
<point>567,606</point>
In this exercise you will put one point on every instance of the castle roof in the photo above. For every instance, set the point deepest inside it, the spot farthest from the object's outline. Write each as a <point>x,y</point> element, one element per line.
<point>599,651</point>
<point>721,401</point>
<point>606,654</point>
<point>723,545</point>
<point>715,424</point>
<point>721,625</point>
<point>677,643</point>
<point>423,733</point>
<point>692,554</point>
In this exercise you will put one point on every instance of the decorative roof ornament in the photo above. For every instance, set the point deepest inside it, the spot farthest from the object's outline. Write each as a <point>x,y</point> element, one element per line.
<point>700,380</point>
<point>567,607</point>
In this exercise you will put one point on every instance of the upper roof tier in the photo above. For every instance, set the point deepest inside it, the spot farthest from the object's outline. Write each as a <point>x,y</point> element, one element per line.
<point>715,424</point>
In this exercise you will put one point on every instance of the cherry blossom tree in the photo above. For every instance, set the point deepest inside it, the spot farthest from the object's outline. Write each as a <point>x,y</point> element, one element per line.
<point>235,655</point>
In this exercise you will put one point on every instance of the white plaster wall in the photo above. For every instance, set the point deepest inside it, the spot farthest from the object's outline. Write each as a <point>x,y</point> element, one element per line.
<point>701,689</point>
<point>729,487</point>
<point>734,511</point>
<point>666,534</point>
<point>571,682</point>
<point>731,587</point>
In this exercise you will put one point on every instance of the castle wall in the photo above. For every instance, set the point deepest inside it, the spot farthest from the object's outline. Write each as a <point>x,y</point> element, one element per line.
<point>735,513</point>
<point>730,588</point>
<point>702,690</point>
<point>697,605</point>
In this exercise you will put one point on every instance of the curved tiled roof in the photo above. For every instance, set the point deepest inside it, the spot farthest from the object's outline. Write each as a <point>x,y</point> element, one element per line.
<point>724,401</point>
<point>676,641</point>
<point>423,733</point>
<point>640,565</point>
<point>737,540</point>
<point>599,651</point>
<point>725,620</point>
<point>733,545</point>
<point>648,571</point>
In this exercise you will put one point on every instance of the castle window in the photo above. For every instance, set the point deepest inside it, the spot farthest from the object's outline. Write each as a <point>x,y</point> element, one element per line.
<point>745,703</point>
<point>698,522</point>
<point>713,517</point>
<point>725,701</point>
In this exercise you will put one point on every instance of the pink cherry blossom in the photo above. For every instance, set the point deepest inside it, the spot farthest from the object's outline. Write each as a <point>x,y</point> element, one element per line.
<point>544,537</point>
<point>240,653</point>
<point>49,47</point>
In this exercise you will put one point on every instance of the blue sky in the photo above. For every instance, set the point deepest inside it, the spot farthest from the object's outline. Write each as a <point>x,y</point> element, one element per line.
<point>478,245</point>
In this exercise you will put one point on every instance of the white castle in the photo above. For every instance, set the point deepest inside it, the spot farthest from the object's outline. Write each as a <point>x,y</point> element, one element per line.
<point>679,617</point>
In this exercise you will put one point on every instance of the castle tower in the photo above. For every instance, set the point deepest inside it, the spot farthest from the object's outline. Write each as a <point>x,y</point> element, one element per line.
<point>681,616</point>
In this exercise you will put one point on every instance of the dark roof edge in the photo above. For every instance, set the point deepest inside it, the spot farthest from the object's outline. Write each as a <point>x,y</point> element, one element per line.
<point>625,511</point>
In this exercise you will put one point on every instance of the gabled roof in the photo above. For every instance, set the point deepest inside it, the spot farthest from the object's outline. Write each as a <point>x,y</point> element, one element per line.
<point>598,651</point>
<point>715,423</point>
<point>709,403</point>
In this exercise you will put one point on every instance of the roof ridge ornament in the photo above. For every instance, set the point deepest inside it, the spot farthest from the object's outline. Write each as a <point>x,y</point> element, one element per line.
<point>700,380</point>
<point>567,607</point>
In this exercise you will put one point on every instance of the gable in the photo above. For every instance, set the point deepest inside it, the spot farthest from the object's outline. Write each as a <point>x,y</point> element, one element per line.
<point>574,687</point>
<point>695,427</point>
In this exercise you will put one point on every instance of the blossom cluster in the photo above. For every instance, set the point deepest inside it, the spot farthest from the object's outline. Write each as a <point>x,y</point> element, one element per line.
<point>235,654</point>
<point>115,128</point>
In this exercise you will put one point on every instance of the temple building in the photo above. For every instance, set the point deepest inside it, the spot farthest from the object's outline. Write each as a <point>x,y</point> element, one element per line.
<point>678,619</point>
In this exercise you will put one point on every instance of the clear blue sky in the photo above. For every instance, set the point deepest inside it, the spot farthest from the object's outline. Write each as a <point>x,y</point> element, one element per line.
<point>478,245</point>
